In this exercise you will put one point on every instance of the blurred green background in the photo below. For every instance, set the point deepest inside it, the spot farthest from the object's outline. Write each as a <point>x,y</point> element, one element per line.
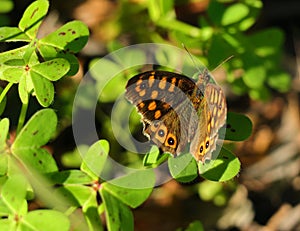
<point>261,80</point>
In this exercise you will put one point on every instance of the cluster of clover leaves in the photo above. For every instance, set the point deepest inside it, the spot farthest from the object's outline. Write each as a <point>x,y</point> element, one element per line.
<point>28,171</point>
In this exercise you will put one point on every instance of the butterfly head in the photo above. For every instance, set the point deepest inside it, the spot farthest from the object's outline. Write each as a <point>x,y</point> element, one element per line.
<point>203,78</point>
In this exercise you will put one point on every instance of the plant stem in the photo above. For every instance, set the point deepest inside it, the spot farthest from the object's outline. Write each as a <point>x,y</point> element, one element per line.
<point>22,117</point>
<point>5,90</point>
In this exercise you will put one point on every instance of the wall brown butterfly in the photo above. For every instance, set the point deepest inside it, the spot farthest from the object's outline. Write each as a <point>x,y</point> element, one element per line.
<point>177,111</point>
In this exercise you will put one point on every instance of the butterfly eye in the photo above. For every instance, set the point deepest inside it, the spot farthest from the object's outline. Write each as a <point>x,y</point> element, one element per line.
<point>206,144</point>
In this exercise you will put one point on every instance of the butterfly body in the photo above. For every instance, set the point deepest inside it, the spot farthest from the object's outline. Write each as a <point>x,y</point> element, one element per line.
<point>177,111</point>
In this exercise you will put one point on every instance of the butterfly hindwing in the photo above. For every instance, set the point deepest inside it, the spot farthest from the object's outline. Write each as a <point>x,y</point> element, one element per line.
<point>212,116</point>
<point>165,133</point>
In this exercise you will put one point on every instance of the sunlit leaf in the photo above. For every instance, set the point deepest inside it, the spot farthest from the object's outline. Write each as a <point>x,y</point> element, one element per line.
<point>33,16</point>
<point>234,14</point>
<point>71,36</point>
<point>267,42</point>
<point>254,77</point>
<point>7,224</point>
<point>15,201</point>
<point>118,215</point>
<point>132,189</point>
<point>69,177</point>
<point>77,195</point>
<point>13,74</point>
<point>95,158</point>
<point>53,69</point>
<point>43,89</point>
<point>4,128</point>
<point>49,52</point>
<point>280,81</point>
<point>22,89</point>
<point>12,34</point>
<point>32,136</point>
<point>183,167</point>
<point>224,168</point>
<point>44,220</point>
<point>34,133</point>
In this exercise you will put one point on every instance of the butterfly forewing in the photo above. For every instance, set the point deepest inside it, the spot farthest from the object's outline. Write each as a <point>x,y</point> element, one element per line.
<point>159,85</point>
<point>161,96</point>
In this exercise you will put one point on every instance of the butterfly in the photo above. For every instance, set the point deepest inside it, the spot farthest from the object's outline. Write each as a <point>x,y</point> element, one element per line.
<point>177,110</point>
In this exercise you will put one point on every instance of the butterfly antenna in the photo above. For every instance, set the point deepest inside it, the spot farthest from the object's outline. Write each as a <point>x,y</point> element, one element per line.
<point>224,61</point>
<point>193,60</point>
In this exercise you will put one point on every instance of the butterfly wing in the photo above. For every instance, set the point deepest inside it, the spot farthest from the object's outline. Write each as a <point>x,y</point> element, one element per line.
<point>162,97</point>
<point>155,92</point>
<point>212,116</point>
<point>170,133</point>
<point>165,133</point>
